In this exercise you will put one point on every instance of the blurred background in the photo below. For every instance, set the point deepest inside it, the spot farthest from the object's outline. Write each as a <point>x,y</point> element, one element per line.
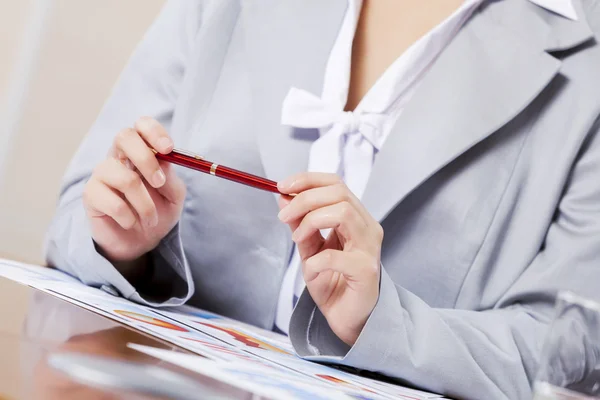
<point>77,49</point>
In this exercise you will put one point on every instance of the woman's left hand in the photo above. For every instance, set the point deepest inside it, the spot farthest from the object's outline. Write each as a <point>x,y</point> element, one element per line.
<point>342,271</point>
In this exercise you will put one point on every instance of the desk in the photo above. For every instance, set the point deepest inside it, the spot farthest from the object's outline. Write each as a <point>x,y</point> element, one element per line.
<point>34,325</point>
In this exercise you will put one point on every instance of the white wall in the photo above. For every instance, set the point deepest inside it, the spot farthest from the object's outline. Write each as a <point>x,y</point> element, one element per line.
<point>83,51</point>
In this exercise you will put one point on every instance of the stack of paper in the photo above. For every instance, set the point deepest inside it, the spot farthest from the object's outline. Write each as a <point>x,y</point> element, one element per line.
<point>234,352</point>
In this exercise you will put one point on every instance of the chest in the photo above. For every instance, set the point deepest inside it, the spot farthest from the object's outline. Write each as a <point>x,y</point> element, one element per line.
<point>385,30</point>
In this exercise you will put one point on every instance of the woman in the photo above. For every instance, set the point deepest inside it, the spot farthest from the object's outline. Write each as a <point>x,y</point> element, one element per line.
<point>466,131</point>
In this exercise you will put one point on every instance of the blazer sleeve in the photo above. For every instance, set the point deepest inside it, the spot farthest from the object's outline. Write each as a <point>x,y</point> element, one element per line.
<point>148,86</point>
<point>490,354</point>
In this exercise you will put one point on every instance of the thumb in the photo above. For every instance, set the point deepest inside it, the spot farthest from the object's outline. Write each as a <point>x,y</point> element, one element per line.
<point>174,188</point>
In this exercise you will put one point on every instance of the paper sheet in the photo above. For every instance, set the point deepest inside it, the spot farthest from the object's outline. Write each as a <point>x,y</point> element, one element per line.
<point>254,359</point>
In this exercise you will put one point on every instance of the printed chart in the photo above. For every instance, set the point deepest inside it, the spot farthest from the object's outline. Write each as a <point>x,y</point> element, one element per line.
<point>237,353</point>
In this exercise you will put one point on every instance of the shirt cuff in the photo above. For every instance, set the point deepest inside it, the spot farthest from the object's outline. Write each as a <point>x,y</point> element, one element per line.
<point>169,282</point>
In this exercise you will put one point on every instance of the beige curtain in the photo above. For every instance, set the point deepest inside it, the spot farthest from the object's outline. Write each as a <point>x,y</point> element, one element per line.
<point>85,46</point>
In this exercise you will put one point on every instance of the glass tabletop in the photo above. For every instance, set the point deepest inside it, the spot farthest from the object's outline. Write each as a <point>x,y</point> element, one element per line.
<point>35,326</point>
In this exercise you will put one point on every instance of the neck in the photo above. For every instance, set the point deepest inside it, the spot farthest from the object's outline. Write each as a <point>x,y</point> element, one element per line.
<point>386,29</point>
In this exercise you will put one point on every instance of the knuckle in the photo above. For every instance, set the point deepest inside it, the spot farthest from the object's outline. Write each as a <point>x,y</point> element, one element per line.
<point>119,208</point>
<point>124,135</point>
<point>130,181</point>
<point>147,210</point>
<point>342,191</point>
<point>328,257</point>
<point>373,269</point>
<point>346,209</point>
<point>379,232</point>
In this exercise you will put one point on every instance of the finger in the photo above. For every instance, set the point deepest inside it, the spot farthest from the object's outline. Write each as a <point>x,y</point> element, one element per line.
<point>155,134</point>
<point>284,201</point>
<point>137,151</point>
<point>355,266</point>
<point>115,175</point>
<point>101,201</point>
<point>307,180</point>
<point>114,152</point>
<point>309,246</point>
<point>174,189</point>
<point>313,180</point>
<point>320,197</point>
<point>117,153</point>
<point>342,217</point>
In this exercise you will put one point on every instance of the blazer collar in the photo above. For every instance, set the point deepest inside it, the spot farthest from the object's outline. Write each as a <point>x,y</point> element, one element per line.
<point>472,91</point>
<point>564,8</point>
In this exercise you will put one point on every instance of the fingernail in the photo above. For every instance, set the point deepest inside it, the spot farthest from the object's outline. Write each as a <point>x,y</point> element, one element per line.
<point>284,214</point>
<point>296,235</point>
<point>159,178</point>
<point>165,144</point>
<point>286,184</point>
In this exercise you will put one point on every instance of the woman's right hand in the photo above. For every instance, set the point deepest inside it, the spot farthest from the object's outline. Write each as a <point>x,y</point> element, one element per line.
<point>133,200</point>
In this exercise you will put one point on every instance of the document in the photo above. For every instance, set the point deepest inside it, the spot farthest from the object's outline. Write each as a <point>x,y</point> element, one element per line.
<point>240,354</point>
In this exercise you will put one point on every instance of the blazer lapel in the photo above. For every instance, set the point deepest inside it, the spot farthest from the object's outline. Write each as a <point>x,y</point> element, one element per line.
<point>288,44</point>
<point>495,66</point>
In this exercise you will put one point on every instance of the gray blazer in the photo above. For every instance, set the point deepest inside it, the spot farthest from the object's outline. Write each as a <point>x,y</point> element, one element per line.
<point>488,188</point>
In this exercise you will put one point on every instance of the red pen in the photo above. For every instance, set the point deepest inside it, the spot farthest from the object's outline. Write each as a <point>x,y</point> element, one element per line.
<point>193,161</point>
